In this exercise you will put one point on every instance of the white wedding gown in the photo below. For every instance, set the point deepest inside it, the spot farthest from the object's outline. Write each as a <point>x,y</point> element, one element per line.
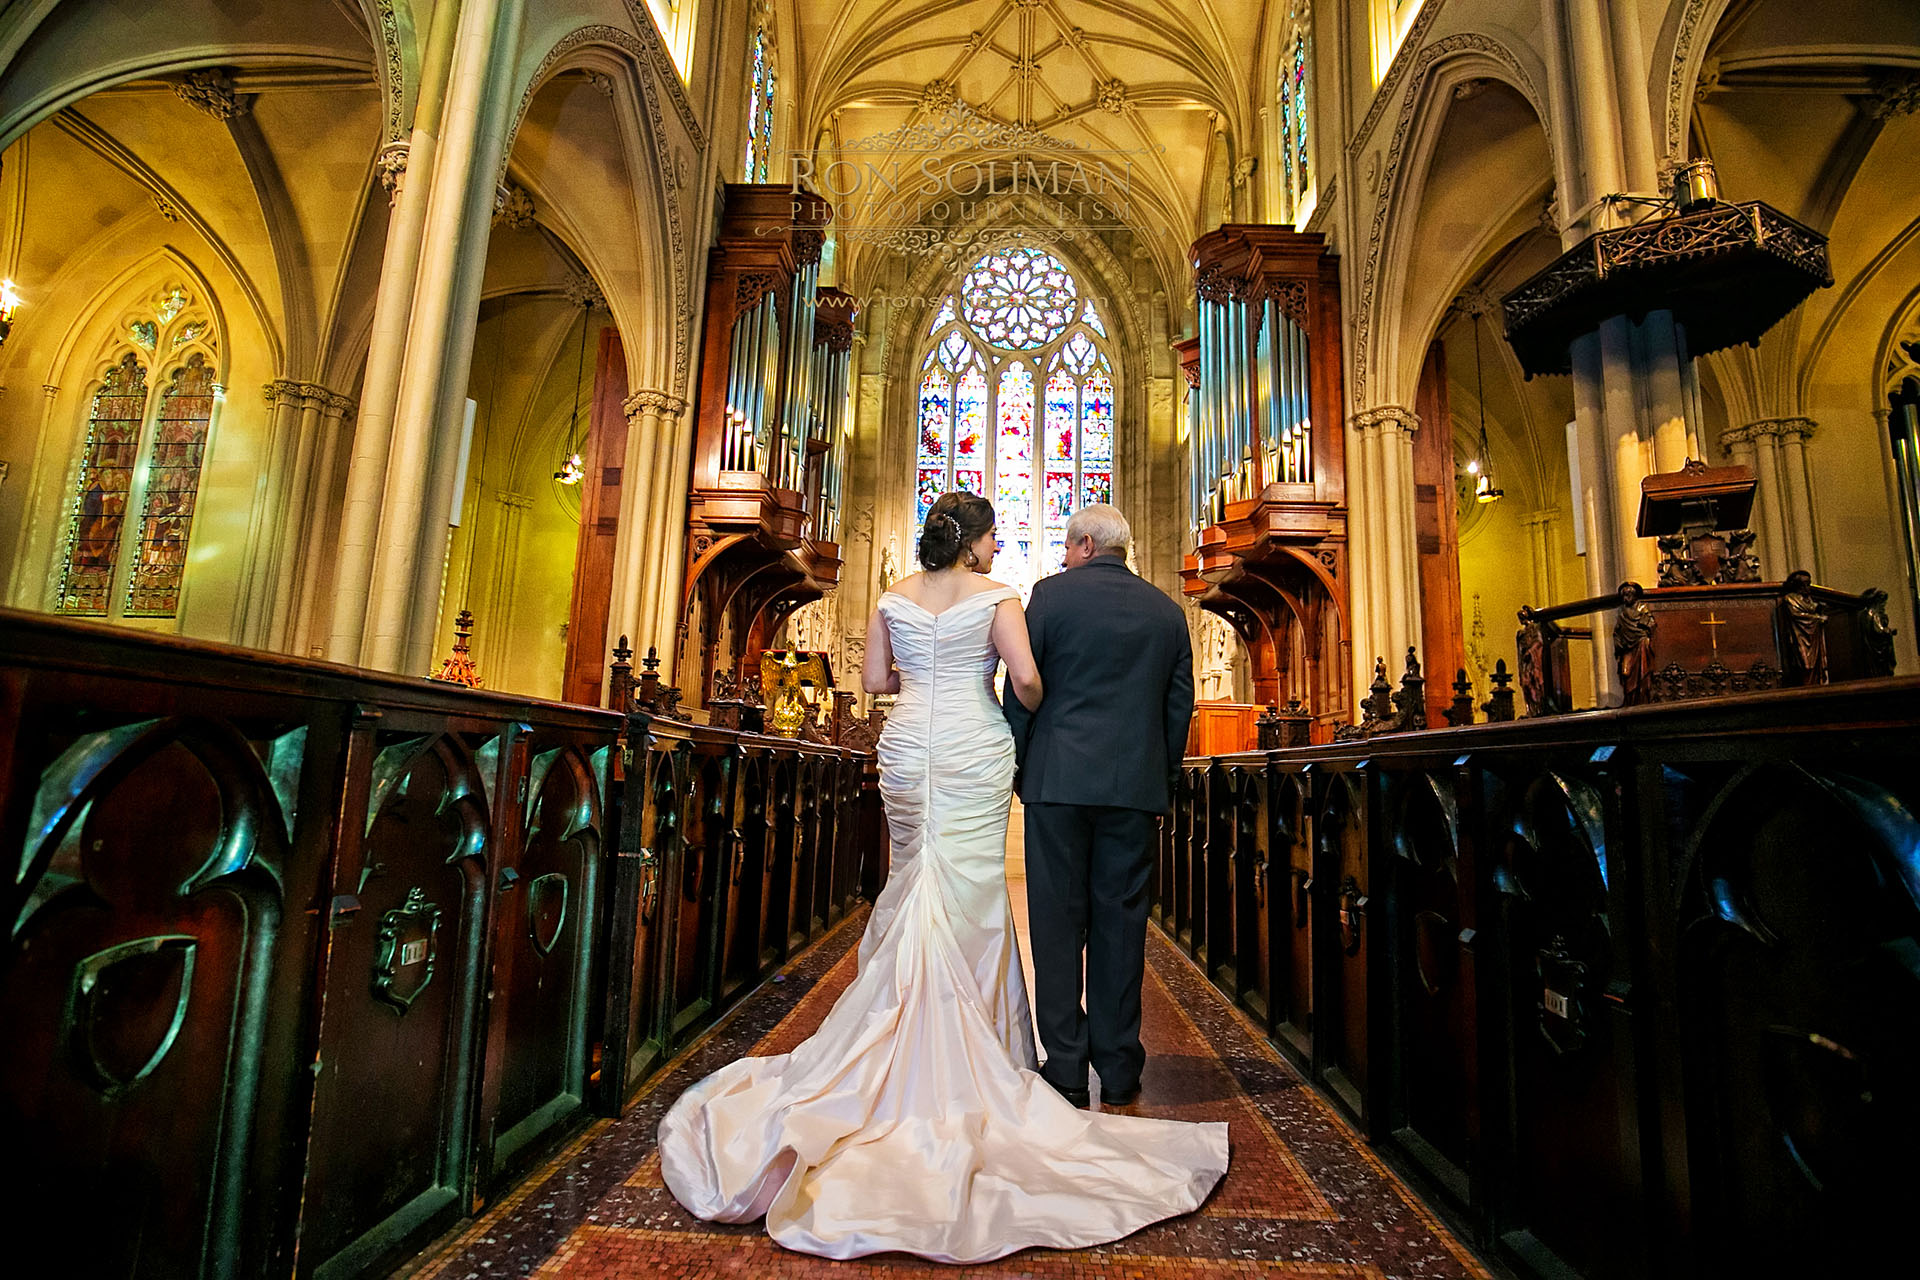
<point>913,1119</point>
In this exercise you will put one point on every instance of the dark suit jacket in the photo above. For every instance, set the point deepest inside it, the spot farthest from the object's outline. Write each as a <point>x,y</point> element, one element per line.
<point>1117,669</point>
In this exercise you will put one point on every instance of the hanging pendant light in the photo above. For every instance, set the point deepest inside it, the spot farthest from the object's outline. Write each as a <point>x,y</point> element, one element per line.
<point>1481,467</point>
<point>572,469</point>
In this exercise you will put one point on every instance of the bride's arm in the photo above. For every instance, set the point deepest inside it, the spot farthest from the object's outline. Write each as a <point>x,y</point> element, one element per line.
<point>1016,650</point>
<point>876,673</point>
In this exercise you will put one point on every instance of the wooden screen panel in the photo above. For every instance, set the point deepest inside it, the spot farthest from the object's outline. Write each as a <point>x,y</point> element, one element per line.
<point>540,1016</point>
<point>1432,927</point>
<point>132,1000</point>
<point>403,986</point>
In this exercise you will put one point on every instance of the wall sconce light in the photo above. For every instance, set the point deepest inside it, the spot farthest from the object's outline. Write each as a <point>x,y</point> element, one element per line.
<point>9,303</point>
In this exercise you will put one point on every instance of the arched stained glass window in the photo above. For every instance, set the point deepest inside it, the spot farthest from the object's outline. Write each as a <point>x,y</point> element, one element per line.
<point>106,480</point>
<point>1295,167</point>
<point>173,490</point>
<point>1017,404</point>
<point>760,109</point>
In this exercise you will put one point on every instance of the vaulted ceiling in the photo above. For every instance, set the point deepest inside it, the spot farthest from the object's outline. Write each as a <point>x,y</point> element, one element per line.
<point>1143,84</point>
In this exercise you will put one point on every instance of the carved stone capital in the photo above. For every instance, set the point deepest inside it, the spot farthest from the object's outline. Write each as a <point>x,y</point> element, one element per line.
<point>1782,428</point>
<point>283,391</point>
<point>663,403</point>
<point>391,165</point>
<point>1387,415</point>
<point>1898,96</point>
<point>211,91</point>
<point>1735,437</point>
<point>513,208</point>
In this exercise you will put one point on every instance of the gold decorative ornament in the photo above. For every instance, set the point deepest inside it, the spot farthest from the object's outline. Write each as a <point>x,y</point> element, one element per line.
<point>782,677</point>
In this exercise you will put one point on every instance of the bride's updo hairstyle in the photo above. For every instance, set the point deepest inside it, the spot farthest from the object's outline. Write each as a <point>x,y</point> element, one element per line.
<point>956,521</point>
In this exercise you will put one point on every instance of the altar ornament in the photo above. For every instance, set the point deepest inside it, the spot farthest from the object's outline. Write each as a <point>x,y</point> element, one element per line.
<point>459,668</point>
<point>1710,627</point>
<point>1460,710</point>
<point>645,696</point>
<point>784,676</point>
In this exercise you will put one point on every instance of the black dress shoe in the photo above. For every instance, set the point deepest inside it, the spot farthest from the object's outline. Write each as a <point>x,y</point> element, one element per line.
<point>1119,1097</point>
<point>1077,1097</point>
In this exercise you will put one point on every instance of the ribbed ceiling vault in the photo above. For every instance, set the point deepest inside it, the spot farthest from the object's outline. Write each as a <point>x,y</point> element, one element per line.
<point>1150,79</point>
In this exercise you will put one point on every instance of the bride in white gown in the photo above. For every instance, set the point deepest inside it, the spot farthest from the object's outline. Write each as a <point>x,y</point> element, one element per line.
<point>914,1118</point>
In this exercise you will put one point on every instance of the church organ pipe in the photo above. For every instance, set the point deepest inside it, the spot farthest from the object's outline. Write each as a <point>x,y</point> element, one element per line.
<point>796,407</point>
<point>1196,509</point>
<point>766,382</point>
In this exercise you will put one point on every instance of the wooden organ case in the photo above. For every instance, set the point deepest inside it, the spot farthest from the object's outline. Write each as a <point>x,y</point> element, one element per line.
<point>764,506</point>
<point>1268,535</point>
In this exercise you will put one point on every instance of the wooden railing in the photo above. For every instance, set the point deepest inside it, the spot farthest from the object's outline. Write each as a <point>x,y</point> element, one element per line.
<point>1635,989</point>
<point>305,963</point>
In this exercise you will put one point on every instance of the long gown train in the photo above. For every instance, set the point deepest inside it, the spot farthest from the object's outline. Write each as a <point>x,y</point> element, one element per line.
<point>913,1119</point>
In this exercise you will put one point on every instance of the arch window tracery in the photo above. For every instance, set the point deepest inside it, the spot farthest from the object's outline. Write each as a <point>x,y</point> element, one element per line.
<point>131,509</point>
<point>1016,403</point>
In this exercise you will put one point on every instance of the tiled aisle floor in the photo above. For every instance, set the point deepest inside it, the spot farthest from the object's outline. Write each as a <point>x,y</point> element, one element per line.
<point>1303,1196</point>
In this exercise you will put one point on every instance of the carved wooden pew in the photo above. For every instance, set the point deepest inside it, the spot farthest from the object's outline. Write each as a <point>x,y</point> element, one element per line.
<point>1659,959</point>
<point>305,962</point>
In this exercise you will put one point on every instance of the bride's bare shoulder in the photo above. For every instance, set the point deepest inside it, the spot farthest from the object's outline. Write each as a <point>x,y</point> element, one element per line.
<point>909,586</point>
<point>989,584</point>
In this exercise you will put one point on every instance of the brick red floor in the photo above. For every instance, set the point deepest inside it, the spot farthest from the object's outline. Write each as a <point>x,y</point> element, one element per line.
<point>1303,1196</point>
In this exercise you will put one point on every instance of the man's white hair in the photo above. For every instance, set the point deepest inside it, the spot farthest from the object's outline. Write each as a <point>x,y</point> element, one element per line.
<point>1105,525</point>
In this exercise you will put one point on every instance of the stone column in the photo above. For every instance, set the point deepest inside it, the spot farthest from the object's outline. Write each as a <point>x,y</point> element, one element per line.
<point>1385,548</point>
<point>1797,493</point>
<point>268,536</point>
<point>35,574</point>
<point>393,307</point>
<point>1783,500</point>
<point>389,592</point>
<point>669,538</point>
<point>636,550</point>
<point>410,559</point>
<point>1540,531</point>
<point>1775,550</point>
<point>317,558</point>
<point>292,513</point>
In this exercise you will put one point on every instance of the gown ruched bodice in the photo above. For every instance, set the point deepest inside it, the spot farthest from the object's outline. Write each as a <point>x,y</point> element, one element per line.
<point>913,1119</point>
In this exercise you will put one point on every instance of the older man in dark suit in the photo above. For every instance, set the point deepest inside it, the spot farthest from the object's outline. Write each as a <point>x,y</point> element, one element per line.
<point>1096,767</point>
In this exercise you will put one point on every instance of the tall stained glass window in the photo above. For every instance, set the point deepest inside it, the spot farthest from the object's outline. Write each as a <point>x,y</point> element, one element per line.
<point>137,485</point>
<point>1297,174</point>
<point>173,489</point>
<point>760,110</point>
<point>106,481</point>
<point>1017,404</point>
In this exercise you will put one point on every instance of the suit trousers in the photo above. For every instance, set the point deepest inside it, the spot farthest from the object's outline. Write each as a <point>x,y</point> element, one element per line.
<point>1087,873</point>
